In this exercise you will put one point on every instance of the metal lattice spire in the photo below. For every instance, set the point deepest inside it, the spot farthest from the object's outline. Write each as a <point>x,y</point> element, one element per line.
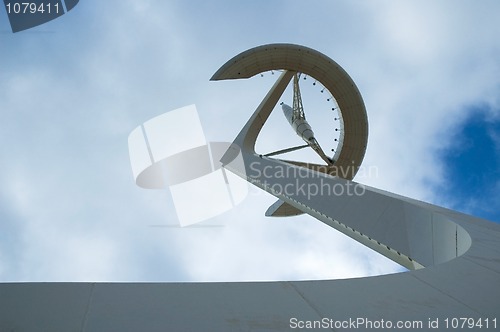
<point>298,109</point>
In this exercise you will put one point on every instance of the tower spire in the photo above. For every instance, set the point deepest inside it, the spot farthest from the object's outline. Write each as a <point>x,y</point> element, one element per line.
<point>298,109</point>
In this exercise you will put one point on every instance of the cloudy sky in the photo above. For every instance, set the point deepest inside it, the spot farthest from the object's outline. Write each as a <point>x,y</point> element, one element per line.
<point>72,90</point>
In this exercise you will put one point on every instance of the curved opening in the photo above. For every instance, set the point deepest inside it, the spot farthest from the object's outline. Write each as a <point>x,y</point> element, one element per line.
<point>280,140</point>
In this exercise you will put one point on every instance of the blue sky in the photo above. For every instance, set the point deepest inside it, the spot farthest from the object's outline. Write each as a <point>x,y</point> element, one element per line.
<point>473,165</point>
<point>73,89</point>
